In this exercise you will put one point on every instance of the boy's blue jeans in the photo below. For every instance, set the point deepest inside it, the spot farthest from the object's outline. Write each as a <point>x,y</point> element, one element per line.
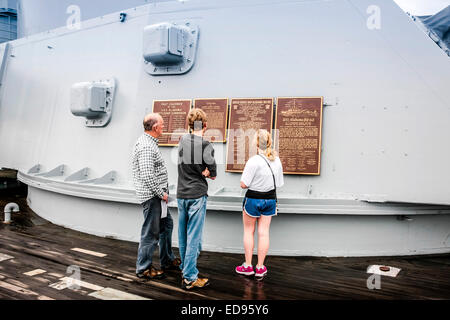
<point>191,218</point>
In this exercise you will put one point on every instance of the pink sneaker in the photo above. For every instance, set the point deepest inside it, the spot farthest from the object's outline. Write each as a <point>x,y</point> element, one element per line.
<point>248,271</point>
<point>261,272</point>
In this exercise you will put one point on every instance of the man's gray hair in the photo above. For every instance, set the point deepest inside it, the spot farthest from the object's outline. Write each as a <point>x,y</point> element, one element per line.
<point>150,120</point>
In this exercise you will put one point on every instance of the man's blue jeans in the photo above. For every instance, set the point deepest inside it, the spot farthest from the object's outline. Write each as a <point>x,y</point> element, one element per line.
<point>191,218</point>
<point>155,230</point>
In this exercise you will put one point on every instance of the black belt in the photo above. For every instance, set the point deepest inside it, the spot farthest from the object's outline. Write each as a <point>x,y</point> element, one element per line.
<point>272,194</point>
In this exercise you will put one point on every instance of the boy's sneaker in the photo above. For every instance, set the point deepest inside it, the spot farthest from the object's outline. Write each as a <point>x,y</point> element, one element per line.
<point>261,272</point>
<point>199,283</point>
<point>242,269</point>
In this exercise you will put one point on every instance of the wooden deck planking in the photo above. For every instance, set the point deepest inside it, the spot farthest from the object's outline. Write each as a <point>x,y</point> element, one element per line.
<point>91,271</point>
<point>48,247</point>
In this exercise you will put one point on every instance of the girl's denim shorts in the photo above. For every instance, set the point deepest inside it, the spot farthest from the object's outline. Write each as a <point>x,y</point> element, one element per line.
<point>257,207</point>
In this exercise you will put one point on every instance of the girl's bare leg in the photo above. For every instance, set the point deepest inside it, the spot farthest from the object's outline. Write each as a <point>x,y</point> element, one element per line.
<point>249,230</point>
<point>263,239</point>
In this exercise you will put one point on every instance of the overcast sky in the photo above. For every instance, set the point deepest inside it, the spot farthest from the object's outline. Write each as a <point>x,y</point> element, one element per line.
<point>422,7</point>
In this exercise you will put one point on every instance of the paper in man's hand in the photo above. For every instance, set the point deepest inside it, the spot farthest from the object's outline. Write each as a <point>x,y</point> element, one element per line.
<point>163,209</point>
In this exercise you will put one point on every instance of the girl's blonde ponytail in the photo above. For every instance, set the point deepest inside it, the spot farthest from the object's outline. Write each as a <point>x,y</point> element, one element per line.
<point>264,142</point>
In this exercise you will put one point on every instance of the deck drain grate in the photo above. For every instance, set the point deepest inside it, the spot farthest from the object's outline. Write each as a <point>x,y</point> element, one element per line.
<point>383,270</point>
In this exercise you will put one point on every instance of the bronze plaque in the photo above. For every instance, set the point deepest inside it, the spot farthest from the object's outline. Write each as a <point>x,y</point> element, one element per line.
<point>298,134</point>
<point>217,112</point>
<point>174,113</point>
<point>246,116</point>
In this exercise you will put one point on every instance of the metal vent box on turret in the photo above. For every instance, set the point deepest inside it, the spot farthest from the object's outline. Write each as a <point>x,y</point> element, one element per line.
<point>88,99</point>
<point>163,44</point>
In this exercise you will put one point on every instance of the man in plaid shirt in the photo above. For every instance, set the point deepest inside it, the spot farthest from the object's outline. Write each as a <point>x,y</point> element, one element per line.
<point>150,181</point>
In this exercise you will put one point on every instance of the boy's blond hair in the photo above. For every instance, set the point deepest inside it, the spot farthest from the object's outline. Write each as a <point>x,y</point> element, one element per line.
<point>196,119</point>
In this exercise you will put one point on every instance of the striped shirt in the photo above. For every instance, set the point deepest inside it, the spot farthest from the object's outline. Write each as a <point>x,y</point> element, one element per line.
<point>149,169</point>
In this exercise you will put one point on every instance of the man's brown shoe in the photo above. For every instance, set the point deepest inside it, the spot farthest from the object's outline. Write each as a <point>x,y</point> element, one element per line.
<point>199,283</point>
<point>151,273</point>
<point>174,265</point>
